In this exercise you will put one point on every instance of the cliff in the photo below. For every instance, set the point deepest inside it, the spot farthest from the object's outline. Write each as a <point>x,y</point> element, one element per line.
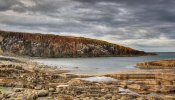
<point>42,45</point>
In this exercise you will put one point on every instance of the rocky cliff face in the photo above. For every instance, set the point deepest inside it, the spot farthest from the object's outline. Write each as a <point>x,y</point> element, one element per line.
<point>40,45</point>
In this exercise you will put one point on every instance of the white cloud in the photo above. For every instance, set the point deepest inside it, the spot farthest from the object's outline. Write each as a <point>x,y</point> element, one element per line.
<point>28,3</point>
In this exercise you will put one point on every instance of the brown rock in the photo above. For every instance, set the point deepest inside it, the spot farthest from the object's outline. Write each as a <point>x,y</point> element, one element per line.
<point>108,96</point>
<point>140,87</point>
<point>38,87</point>
<point>51,89</point>
<point>167,97</point>
<point>65,97</point>
<point>32,96</point>
<point>75,82</point>
<point>42,93</point>
<point>167,88</point>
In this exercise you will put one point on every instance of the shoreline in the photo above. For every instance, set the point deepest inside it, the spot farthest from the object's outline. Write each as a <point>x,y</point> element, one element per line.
<point>31,81</point>
<point>28,57</point>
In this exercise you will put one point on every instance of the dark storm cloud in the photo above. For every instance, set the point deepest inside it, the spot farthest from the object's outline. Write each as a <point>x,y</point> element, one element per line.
<point>130,22</point>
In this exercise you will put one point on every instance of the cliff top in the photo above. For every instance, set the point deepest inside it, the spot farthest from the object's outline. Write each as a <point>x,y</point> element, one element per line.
<point>38,37</point>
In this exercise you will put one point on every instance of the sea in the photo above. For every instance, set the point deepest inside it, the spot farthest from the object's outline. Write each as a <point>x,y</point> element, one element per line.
<point>102,65</point>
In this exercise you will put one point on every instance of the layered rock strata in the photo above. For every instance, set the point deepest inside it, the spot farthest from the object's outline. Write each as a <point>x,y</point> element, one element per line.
<point>163,64</point>
<point>40,45</point>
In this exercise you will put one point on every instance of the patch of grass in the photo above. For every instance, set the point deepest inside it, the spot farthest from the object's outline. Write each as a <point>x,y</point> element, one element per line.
<point>3,88</point>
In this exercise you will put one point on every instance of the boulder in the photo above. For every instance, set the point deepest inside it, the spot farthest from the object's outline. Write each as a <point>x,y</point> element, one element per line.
<point>167,88</point>
<point>38,87</point>
<point>114,97</point>
<point>6,95</point>
<point>42,93</point>
<point>51,89</point>
<point>32,96</point>
<point>18,89</point>
<point>140,87</point>
<point>108,96</point>
<point>1,96</point>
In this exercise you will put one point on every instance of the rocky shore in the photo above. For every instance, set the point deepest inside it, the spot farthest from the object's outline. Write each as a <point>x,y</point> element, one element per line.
<point>163,64</point>
<point>27,80</point>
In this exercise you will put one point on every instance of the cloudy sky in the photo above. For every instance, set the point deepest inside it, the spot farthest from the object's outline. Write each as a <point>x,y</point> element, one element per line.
<point>147,25</point>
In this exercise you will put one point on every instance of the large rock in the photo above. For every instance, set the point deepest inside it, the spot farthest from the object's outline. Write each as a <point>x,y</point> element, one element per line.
<point>32,96</point>
<point>42,93</point>
<point>108,96</point>
<point>140,87</point>
<point>38,87</point>
<point>18,89</point>
<point>52,89</point>
<point>167,88</point>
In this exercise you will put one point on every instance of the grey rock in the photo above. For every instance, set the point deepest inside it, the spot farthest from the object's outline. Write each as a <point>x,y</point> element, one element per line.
<point>42,93</point>
<point>51,89</point>
<point>32,96</point>
<point>38,87</point>
<point>18,89</point>
<point>6,95</point>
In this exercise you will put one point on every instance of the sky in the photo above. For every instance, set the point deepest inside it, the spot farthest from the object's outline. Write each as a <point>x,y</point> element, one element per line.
<point>147,25</point>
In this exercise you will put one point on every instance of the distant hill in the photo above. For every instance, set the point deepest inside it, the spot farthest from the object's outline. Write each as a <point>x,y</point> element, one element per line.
<point>54,46</point>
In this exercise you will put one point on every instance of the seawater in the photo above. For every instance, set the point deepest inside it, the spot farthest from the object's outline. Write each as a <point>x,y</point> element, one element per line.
<point>101,65</point>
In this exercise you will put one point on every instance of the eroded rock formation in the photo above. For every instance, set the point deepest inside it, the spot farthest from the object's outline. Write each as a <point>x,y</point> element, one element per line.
<point>40,45</point>
<point>163,64</point>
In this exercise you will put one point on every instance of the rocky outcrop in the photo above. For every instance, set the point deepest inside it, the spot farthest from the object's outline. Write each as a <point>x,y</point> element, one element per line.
<point>40,45</point>
<point>137,74</point>
<point>163,64</point>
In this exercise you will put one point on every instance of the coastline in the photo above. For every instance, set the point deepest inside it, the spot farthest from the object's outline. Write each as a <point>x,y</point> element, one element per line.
<point>27,57</point>
<point>32,81</point>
